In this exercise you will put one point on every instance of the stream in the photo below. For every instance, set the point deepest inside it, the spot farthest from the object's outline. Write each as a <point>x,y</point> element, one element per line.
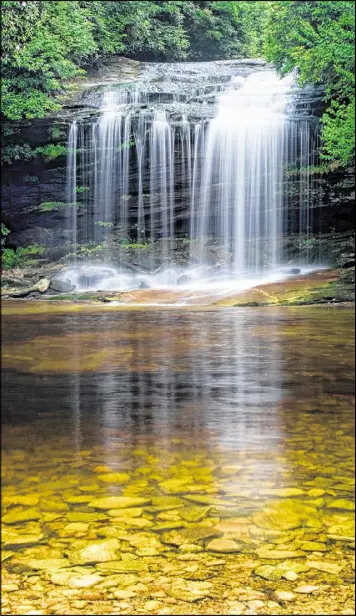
<point>177,460</point>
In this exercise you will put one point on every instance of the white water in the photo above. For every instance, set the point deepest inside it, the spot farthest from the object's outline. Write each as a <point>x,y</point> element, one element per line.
<point>139,160</point>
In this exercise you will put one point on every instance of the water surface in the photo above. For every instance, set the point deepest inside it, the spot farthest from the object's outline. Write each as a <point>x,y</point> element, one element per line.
<point>231,429</point>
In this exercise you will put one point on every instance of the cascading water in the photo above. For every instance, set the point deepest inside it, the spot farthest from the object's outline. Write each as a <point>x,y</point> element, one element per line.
<point>156,170</point>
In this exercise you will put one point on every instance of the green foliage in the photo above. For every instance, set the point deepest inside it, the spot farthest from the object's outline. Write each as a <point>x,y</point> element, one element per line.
<point>51,151</point>
<point>101,223</point>
<point>14,152</point>
<point>87,250</point>
<point>43,43</point>
<point>317,38</point>
<point>46,44</point>
<point>21,256</point>
<point>81,189</point>
<point>4,233</point>
<point>11,153</point>
<point>51,206</point>
<point>55,132</point>
<point>128,243</point>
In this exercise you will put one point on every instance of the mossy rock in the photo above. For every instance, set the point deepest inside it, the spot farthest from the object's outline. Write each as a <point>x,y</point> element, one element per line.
<point>317,288</point>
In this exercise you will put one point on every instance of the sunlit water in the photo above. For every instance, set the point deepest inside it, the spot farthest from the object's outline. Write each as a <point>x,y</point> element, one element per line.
<point>233,429</point>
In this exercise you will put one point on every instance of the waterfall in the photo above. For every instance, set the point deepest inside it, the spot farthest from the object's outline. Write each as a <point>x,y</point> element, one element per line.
<point>154,169</point>
<point>71,184</point>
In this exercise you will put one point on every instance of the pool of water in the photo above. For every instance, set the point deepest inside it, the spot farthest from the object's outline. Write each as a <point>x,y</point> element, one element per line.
<point>173,461</point>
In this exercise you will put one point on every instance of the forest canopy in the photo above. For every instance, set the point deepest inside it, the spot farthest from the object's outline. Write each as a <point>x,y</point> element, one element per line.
<point>45,45</point>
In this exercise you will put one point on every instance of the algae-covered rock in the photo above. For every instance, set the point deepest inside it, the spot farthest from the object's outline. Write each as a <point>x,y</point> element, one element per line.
<point>189,591</point>
<point>342,503</point>
<point>168,525</point>
<point>84,516</point>
<point>123,566</point>
<point>133,512</point>
<point>53,504</point>
<point>287,515</point>
<point>313,546</point>
<point>98,552</point>
<point>10,537</point>
<point>194,513</point>
<point>77,499</point>
<point>268,572</point>
<point>28,500</point>
<point>143,540</point>
<point>118,502</point>
<point>114,477</point>
<point>341,526</point>
<point>189,535</point>
<point>180,486</point>
<point>119,581</point>
<point>279,554</point>
<point>21,514</point>
<point>206,499</point>
<point>164,503</point>
<point>50,564</point>
<point>133,522</point>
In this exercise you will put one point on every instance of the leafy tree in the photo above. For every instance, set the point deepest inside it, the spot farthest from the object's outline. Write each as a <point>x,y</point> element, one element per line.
<point>317,38</point>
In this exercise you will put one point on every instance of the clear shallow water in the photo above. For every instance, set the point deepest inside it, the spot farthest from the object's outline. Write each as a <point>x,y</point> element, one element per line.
<point>235,429</point>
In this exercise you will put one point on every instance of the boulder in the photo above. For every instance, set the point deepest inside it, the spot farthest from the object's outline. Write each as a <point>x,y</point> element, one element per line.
<point>61,286</point>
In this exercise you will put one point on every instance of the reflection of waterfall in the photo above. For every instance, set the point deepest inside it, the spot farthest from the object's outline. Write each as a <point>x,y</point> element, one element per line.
<point>148,173</point>
<point>180,381</point>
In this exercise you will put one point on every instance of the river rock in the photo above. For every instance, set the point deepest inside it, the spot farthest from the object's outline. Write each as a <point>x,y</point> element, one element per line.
<point>98,552</point>
<point>122,566</point>
<point>189,591</point>
<point>28,500</point>
<point>284,595</point>
<point>118,502</point>
<point>165,503</point>
<point>42,285</point>
<point>228,546</point>
<point>324,566</point>
<point>114,477</point>
<point>84,581</point>
<point>189,535</point>
<point>50,564</point>
<point>342,503</point>
<point>287,515</point>
<point>313,546</point>
<point>133,512</point>
<point>291,576</point>
<point>306,589</point>
<point>194,513</point>
<point>267,572</point>
<point>18,538</point>
<point>84,516</point>
<point>61,286</point>
<point>21,514</point>
<point>279,554</point>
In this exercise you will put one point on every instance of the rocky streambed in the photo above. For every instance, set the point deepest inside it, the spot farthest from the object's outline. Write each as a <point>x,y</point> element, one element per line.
<point>174,462</point>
